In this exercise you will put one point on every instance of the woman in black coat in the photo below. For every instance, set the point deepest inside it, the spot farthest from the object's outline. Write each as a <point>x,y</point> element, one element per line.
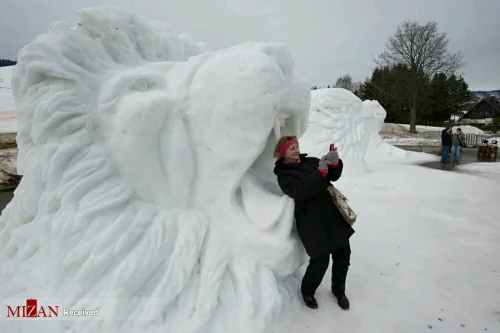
<point>321,228</point>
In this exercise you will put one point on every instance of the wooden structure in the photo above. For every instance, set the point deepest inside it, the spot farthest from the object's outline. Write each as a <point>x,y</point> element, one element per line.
<point>482,112</point>
<point>487,152</point>
<point>474,140</point>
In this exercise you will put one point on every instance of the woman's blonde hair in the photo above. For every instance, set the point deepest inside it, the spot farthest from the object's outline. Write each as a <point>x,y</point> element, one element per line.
<point>281,141</point>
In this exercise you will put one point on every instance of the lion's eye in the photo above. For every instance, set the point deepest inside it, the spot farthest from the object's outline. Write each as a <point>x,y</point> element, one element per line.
<point>143,85</point>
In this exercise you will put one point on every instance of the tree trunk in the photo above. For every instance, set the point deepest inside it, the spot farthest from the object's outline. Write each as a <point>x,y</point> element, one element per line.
<point>413,119</point>
<point>413,109</point>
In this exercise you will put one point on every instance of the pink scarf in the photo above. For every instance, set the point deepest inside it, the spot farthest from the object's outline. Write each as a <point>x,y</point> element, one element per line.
<point>285,146</point>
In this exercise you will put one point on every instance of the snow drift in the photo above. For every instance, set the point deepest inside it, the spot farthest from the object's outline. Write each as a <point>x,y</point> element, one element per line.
<point>147,187</point>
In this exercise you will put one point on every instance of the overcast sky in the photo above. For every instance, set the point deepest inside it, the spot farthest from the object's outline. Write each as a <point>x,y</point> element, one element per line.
<point>328,38</point>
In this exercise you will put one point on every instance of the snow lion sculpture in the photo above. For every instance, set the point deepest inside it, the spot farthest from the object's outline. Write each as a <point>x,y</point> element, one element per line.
<point>147,188</point>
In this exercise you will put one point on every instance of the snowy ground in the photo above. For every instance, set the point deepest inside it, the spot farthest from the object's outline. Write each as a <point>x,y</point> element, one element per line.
<point>6,99</point>
<point>412,141</point>
<point>466,129</point>
<point>485,170</point>
<point>427,247</point>
<point>8,122</point>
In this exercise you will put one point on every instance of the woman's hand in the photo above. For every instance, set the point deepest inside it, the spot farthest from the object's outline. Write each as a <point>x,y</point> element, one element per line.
<point>332,157</point>
<point>323,163</point>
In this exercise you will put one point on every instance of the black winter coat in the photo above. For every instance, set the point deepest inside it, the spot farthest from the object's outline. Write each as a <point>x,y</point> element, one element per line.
<point>446,138</point>
<point>320,225</point>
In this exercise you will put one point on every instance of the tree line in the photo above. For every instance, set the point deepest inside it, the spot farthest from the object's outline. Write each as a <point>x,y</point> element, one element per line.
<point>7,62</point>
<point>416,78</point>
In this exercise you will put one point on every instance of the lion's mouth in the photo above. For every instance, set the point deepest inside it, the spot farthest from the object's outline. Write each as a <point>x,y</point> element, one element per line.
<point>259,193</point>
<point>267,211</point>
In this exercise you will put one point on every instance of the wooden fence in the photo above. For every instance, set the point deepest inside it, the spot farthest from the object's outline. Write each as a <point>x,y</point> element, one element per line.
<point>472,140</point>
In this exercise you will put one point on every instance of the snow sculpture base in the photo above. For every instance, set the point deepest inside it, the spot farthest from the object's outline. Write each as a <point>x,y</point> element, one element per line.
<point>147,188</point>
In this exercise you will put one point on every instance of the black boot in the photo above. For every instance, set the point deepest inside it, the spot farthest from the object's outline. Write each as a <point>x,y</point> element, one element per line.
<point>310,301</point>
<point>340,267</point>
<point>342,301</point>
<point>312,279</point>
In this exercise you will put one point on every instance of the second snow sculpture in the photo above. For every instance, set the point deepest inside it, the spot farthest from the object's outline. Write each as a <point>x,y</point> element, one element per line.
<point>145,191</point>
<point>338,116</point>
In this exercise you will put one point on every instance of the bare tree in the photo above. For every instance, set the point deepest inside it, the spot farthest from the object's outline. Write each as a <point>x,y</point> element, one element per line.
<point>356,86</point>
<point>344,82</point>
<point>424,50</point>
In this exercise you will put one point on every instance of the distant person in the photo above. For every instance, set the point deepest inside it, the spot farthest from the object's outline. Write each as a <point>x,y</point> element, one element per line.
<point>458,141</point>
<point>321,227</point>
<point>446,141</point>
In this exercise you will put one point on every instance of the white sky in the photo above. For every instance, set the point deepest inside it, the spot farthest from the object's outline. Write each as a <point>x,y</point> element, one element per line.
<point>328,38</point>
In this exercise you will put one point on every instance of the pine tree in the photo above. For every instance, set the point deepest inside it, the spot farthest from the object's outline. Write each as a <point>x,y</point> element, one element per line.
<point>458,94</point>
<point>6,62</point>
<point>438,108</point>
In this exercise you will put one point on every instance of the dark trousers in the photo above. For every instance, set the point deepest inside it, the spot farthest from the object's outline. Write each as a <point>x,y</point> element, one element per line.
<point>317,269</point>
<point>446,154</point>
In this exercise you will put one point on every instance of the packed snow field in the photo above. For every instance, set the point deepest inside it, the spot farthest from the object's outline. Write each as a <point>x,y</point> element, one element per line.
<point>158,240</point>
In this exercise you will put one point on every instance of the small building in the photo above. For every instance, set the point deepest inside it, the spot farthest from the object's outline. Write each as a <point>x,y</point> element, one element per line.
<point>482,112</point>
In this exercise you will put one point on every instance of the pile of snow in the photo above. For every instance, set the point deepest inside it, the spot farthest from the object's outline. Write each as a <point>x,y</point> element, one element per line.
<point>466,129</point>
<point>394,129</point>
<point>398,134</point>
<point>421,128</point>
<point>413,141</point>
<point>147,187</point>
